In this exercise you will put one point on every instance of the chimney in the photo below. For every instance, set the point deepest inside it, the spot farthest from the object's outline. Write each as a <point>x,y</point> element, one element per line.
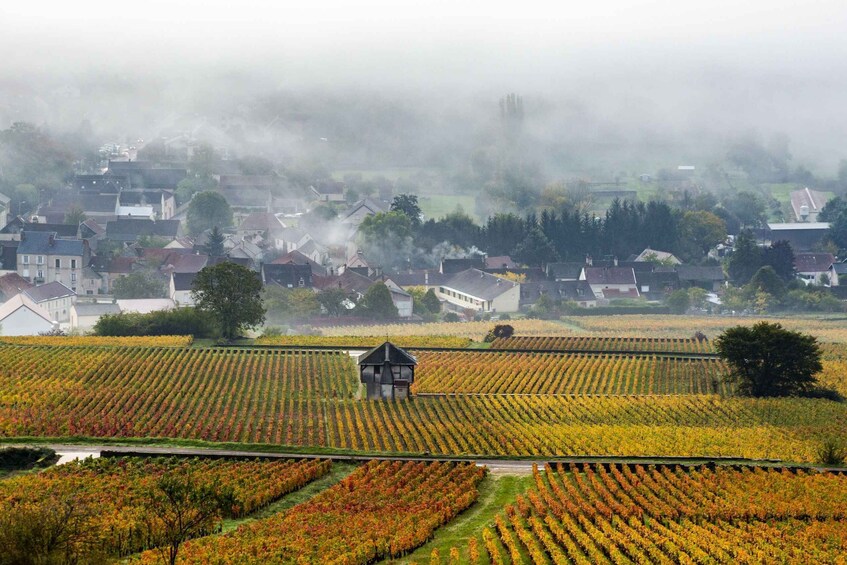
<point>589,261</point>
<point>616,261</point>
<point>51,239</point>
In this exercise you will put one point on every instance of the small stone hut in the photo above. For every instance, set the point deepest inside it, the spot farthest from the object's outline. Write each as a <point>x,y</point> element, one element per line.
<point>388,372</point>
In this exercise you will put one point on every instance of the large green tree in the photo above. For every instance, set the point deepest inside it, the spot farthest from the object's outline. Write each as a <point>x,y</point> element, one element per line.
<point>408,205</point>
<point>233,294</point>
<point>377,303</point>
<point>386,239</point>
<point>139,284</point>
<point>207,210</point>
<point>703,230</point>
<point>768,360</point>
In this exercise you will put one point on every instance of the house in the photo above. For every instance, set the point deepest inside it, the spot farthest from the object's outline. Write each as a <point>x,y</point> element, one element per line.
<point>611,282</point>
<point>806,204</point>
<point>355,214</point>
<point>315,251</point>
<point>425,279</point>
<point>657,284</point>
<point>145,305</point>
<point>328,191</point>
<point>298,258</point>
<point>655,256</point>
<point>402,300</point>
<point>55,298</point>
<point>100,184</point>
<point>248,193</point>
<point>21,316</point>
<point>154,204</point>
<point>387,372</point>
<point>110,269</point>
<point>90,229</point>
<point>91,282</point>
<point>802,236</point>
<point>12,284</point>
<point>566,271</point>
<point>578,292</point>
<point>811,267</point>
<point>9,256</point>
<point>477,290</point>
<point>179,288</point>
<point>453,266</point>
<point>710,278</point>
<point>264,224</point>
<point>184,263</point>
<point>351,282</point>
<point>84,315</point>
<point>500,262</point>
<point>128,230</point>
<point>288,275</point>
<point>5,207</point>
<point>19,224</point>
<point>358,264</point>
<point>44,257</point>
<point>142,174</point>
<point>837,275</point>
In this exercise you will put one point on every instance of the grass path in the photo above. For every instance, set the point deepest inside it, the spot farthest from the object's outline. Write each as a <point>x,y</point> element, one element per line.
<point>337,474</point>
<point>495,491</point>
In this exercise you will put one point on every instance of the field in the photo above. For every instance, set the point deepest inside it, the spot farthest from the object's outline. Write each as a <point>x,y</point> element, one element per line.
<point>213,394</point>
<point>383,510</point>
<point>588,387</point>
<point>136,341</point>
<point>365,341</point>
<point>110,497</point>
<point>512,372</point>
<point>605,344</point>
<point>471,330</point>
<point>512,403</point>
<point>620,514</point>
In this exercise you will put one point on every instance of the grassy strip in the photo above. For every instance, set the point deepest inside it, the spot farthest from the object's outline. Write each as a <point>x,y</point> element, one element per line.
<point>330,452</point>
<point>339,471</point>
<point>495,492</point>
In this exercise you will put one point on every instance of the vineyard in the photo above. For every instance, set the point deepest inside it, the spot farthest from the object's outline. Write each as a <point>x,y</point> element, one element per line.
<point>485,372</point>
<point>88,340</point>
<point>470,330</point>
<point>298,398</point>
<point>833,330</point>
<point>111,495</point>
<point>268,396</point>
<point>383,510</point>
<point>594,514</point>
<point>609,344</point>
<point>365,341</point>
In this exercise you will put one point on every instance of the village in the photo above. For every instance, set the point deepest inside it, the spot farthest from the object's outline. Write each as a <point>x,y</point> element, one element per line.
<point>64,263</point>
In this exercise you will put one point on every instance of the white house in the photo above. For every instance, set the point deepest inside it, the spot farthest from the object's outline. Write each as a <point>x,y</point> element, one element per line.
<point>402,300</point>
<point>811,267</point>
<point>611,282</point>
<point>84,315</point>
<point>179,289</point>
<point>477,290</point>
<point>54,297</point>
<point>21,316</point>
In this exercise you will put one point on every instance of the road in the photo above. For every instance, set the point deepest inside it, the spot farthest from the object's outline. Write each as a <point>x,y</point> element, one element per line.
<point>72,452</point>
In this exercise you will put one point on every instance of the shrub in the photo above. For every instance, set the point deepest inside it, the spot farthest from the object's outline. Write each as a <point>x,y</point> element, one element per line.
<point>832,452</point>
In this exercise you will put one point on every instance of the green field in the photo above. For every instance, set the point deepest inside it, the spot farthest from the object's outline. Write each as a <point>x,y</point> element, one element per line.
<point>439,205</point>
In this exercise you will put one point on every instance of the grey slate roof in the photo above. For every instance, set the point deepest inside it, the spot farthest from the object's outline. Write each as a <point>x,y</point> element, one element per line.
<point>96,308</point>
<point>183,281</point>
<point>387,352</point>
<point>610,275</point>
<point>125,229</point>
<point>813,262</point>
<point>697,273</point>
<point>479,284</point>
<point>287,275</point>
<point>49,291</point>
<point>565,271</point>
<point>46,243</point>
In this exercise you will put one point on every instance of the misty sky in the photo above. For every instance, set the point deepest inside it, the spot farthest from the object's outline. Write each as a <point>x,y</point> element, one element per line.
<point>449,38</point>
<point>670,66</point>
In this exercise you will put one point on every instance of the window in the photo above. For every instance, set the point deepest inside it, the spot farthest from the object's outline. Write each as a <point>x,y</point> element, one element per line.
<point>73,263</point>
<point>26,260</point>
<point>58,263</point>
<point>39,274</point>
<point>39,260</point>
<point>301,283</point>
<point>73,277</point>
